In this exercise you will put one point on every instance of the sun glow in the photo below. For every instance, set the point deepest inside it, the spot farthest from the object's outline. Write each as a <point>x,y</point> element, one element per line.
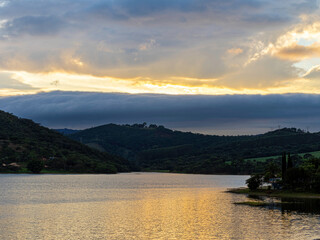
<point>47,82</point>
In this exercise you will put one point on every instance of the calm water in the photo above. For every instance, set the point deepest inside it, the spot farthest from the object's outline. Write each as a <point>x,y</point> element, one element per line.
<point>140,206</point>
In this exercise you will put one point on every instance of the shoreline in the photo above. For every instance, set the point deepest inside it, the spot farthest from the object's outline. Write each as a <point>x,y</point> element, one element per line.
<point>144,171</point>
<point>275,193</point>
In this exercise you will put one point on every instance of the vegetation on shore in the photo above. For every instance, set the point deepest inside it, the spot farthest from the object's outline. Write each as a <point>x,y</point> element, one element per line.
<point>28,147</point>
<point>304,177</point>
<point>275,193</point>
<point>253,203</point>
<point>152,147</point>
<point>289,181</point>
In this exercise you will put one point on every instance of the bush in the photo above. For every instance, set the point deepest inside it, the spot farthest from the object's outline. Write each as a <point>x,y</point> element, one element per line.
<point>254,182</point>
<point>35,166</point>
<point>105,168</point>
<point>316,183</point>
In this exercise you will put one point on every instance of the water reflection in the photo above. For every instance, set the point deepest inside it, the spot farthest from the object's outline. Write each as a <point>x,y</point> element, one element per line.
<point>140,206</point>
<point>299,205</point>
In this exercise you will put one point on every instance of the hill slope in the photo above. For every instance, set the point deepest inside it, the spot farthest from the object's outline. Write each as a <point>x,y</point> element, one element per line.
<point>158,148</point>
<point>22,139</point>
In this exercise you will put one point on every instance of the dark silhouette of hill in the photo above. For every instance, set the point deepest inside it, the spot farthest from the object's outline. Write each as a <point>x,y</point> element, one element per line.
<point>66,131</point>
<point>158,148</point>
<point>22,140</point>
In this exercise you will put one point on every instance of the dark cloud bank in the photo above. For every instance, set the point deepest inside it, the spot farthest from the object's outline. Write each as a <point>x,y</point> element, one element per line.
<point>227,114</point>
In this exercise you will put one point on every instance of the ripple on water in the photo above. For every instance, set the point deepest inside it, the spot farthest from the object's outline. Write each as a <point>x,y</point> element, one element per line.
<point>140,206</point>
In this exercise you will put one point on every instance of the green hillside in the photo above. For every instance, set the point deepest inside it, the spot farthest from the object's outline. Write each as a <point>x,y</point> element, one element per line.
<point>158,148</point>
<point>315,154</point>
<point>22,140</point>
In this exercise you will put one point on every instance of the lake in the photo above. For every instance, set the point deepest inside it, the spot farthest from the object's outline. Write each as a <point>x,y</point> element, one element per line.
<point>141,206</point>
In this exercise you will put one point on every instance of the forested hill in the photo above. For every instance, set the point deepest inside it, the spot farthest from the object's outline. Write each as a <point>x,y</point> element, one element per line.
<point>22,140</point>
<point>159,148</point>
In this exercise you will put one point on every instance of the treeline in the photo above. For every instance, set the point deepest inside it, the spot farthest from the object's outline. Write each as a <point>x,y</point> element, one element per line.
<point>157,148</point>
<point>290,175</point>
<point>305,176</point>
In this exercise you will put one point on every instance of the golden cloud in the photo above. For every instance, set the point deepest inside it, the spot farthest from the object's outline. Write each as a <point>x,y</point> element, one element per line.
<point>299,52</point>
<point>235,51</point>
<point>299,43</point>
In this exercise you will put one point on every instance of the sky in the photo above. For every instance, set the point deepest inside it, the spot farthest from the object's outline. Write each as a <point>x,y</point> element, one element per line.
<point>208,52</point>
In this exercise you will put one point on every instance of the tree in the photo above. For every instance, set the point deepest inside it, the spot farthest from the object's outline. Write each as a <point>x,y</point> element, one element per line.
<point>35,165</point>
<point>284,165</point>
<point>290,163</point>
<point>271,171</point>
<point>297,177</point>
<point>254,182</point>
<point>316,182</point>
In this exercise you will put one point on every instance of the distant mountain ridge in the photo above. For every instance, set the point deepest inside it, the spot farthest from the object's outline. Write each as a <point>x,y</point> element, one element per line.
<point>66,131</point>
<point>22,139</point>
<point>156,147</point>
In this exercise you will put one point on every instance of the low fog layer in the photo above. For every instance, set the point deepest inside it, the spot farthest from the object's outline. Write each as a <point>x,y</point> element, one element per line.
<point>227,114</point>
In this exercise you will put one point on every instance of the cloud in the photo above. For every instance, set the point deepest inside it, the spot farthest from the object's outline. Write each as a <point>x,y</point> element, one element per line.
<point>235,51</point>
<point>313,73</point>
<point>299,52</point>
<point>3,3</point>
<point>266,19</point>
<point>123,10</point>
<point>147,45</point>
<point>307,5</point>
<point>7,82</point>
<point>265,72</point>
<point>158,41</point>
<point>33,25</point>
<point>229,114</point>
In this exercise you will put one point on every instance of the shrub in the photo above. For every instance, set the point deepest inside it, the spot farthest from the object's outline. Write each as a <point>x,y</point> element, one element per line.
<point>254,182</point>
<point>105,168</point>
<point>35,166</point>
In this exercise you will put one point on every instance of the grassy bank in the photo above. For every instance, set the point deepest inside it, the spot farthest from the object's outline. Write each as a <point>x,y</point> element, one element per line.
<point>274,193</point>
<point>253,204</point>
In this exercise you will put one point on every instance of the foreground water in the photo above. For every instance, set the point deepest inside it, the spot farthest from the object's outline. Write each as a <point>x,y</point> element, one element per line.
<point>140,206</point>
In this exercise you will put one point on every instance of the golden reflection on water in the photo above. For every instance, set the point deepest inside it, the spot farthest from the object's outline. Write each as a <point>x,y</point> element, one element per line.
<point>165,212</point>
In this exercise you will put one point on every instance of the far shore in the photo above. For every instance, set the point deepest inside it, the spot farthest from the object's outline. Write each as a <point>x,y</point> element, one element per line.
<point>25,171</point>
